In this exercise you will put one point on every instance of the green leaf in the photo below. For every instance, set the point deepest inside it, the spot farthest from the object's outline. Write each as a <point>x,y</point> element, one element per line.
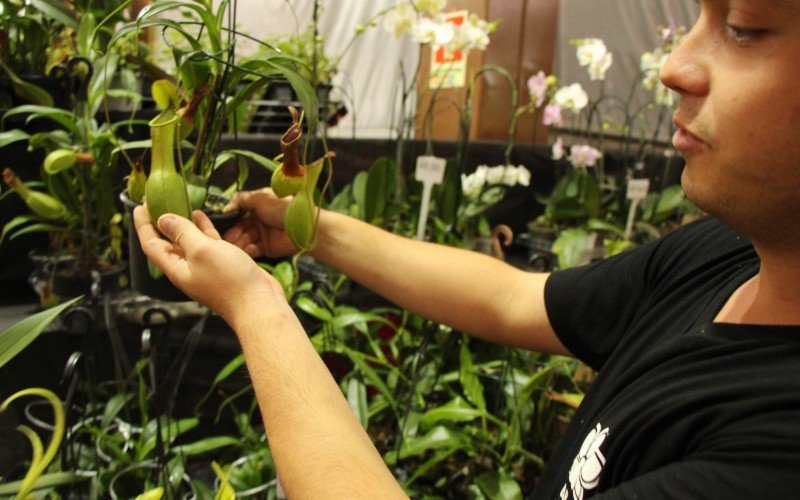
<point>310,307</point>
<point>57,11</point>
<point>225,491</point>
<point>359,360</point>
<point>668,202</point>
<point>429,464</point>
<point>113,407</point>
<point>513,438</point>
<point>206,16</point>
<point>590,195</point>
<point>229,368</point>
<point>12,136</point>
<point>192,72</point>
<point>27,91</point>
<point>84,33</point>
<point>105,71</point>
<point>15,222</point>
<point>473,389</point>
<point>50,480</point>
<point>438,438</point>
<point>457,410</point>
<point>571,399</point>
<point>601,225</point>
<point>168,433</point>
<point>305,93</point>
<point>499,486</point>
<point>570,246</point>
<point>137,26</point>
<point>232,153</point>
<point>450,193</point>
<point>357,399</point>
<point>360,193</point>
<point>144,144</point>
<point>206,445</point>
<point>36,228</point>
<point>62,116</point>
<point>246,93</point>
<point>354,318</point>
<point>16,338</point>
<point>381,184</point>
<point>283,272</point>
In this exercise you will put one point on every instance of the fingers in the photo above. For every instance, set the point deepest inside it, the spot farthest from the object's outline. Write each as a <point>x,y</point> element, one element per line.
<point>157,249</point>
<point>144,226</point>
<point>243,233</point>
<point>247,200</point>
<point>148,235</point>
<point>205,225</point>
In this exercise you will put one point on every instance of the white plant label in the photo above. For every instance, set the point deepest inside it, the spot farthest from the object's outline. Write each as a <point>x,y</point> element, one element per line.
<point>637,189</point>
<point>429,171</point>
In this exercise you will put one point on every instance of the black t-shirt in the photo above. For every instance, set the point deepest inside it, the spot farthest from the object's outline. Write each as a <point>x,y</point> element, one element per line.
<point>682,407</point>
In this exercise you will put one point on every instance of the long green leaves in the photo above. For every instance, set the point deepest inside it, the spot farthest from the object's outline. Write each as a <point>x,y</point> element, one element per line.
<point>50,480</point>
<point>58,11</point>
<point>28,91</point>
<point>16,338</point>
<point>40,459</point>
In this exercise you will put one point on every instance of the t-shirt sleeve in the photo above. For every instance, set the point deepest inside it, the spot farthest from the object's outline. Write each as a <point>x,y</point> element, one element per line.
<point>590,306</point>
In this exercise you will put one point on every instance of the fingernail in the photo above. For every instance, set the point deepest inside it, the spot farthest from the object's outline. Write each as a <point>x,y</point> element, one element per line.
<point>166,223</point>
<point>230,207</point>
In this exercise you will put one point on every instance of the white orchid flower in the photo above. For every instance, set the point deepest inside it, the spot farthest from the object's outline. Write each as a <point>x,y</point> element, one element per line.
<point>472,184</point>
<point>516,175</point>
<point>592,52</point>
<point>431,7</point>
<point>400,20</point>
<point>572,97</point>
<point>432,31</point>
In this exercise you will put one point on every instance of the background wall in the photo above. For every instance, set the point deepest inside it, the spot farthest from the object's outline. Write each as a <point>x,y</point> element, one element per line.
<point>370,72</point>
<point>533,35</point>
<point>628,27</point>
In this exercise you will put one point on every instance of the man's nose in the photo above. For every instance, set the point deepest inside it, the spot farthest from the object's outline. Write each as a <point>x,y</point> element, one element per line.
<point>685,70</point>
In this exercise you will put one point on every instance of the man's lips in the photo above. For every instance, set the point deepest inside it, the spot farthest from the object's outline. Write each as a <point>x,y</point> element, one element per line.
<point>685,141</point>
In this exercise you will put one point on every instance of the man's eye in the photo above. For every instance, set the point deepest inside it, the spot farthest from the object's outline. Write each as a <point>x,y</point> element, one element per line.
<point>742,35</point>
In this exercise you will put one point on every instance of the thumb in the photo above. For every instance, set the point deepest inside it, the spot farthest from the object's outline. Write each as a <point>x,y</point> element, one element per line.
<point>180,231</point>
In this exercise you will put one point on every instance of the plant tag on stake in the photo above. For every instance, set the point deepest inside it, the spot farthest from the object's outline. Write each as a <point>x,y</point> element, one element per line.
<point>429,171</point>
<point>637,191</point>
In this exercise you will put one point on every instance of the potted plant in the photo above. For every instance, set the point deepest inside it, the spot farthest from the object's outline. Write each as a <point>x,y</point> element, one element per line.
<point>209,91</point>
<point>30,46</point>
<point>588,202</point>
<point>74,200</point>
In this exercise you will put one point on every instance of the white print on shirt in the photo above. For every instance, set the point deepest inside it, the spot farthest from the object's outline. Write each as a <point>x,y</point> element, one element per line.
<point>585,471</point>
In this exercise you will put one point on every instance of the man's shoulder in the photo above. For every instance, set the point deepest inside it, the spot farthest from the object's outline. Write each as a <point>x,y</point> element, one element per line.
<point>703,243</point>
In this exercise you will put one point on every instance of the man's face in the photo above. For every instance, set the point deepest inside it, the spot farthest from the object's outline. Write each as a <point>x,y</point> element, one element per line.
<point>738,75</point>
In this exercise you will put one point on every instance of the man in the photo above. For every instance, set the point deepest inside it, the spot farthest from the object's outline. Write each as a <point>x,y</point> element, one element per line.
<point>696,336</point>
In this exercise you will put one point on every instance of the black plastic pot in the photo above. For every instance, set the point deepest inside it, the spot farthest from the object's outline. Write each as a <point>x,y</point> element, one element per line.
<point>141,280</point>
<point>72,285</point>
<point>539,245</point>
<point>271,114</point>
<point>55,275</point>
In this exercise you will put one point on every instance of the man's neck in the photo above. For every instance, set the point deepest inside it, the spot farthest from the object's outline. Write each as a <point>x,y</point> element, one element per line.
<point>771,297</point>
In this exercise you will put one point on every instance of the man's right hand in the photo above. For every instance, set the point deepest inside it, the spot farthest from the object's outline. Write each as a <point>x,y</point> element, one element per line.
<point>260,231</point>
